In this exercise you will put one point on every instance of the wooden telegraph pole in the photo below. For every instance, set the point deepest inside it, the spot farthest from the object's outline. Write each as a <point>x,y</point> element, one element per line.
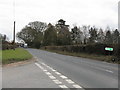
<point>14,33</point>
<point>14,36</point>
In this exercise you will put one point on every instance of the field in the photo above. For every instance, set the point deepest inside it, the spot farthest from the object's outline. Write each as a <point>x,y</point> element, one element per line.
<point>19,54</point>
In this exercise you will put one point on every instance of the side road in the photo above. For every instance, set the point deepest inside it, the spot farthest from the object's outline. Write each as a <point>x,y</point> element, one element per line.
<point>34,74</point>
<point>26,75</point>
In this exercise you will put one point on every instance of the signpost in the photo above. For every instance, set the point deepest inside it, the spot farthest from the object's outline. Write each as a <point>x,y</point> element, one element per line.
<point>108,49</point>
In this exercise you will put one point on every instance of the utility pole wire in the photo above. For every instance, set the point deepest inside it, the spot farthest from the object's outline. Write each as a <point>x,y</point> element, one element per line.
<point>14,10</point>
<point>14,21</point>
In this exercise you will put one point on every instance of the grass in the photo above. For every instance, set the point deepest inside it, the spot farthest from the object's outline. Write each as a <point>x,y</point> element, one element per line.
<point>85,55</point>
<point>19,54</point>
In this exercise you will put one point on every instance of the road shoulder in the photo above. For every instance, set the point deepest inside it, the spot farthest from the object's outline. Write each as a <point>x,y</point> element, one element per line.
<point>25,75</point>
<point>19,63</point>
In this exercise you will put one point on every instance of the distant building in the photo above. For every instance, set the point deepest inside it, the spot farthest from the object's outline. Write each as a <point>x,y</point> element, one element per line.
<point>22,44</point>
<point>63,33</point>
<point>61,22</point>
<point>61,27</point>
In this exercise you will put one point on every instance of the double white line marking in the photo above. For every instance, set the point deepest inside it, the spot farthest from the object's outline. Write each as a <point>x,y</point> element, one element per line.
<point>59,83</point>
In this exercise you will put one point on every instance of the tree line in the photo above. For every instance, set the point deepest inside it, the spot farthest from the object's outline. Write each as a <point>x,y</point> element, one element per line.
<point>37,34</point>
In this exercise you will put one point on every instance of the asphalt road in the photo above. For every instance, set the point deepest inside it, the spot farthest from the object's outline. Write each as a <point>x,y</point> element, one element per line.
<point>53,70</point>
<point>85,72</point>
<point>25,76</point>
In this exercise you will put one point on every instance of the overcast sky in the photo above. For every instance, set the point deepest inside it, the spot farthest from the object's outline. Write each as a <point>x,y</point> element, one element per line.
<point>101,13</point>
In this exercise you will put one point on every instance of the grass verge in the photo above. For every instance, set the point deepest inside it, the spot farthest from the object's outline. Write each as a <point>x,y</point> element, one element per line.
<point>84,55</point>
<point>19,54</point>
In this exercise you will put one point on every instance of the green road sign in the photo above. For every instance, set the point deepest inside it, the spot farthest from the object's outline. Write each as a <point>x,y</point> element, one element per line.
<point>108,48</point>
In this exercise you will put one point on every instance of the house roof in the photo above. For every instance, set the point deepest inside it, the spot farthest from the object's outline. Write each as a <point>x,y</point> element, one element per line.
<point>61,20</point>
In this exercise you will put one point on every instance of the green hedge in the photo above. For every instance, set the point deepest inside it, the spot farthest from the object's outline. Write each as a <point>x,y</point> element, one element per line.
<point>8,46</point>
<point>117,50</point>
<point>90,49</point>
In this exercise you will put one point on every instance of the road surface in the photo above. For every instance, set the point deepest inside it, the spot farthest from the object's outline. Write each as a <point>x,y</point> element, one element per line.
<point>63,71</point>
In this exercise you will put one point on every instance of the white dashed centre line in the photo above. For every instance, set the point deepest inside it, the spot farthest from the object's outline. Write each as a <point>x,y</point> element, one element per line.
<point>45,70</point>
<point>39,66</point>
<point>69,81</point>
<point>77,86</point>
<point>63,86</point>
<point>58,73</point>
<point>64,77</point>
<point>57,82</point>
<point>48,66</point>
<point>48,73</point>
<point>53,70</point>
<point>52,77</point>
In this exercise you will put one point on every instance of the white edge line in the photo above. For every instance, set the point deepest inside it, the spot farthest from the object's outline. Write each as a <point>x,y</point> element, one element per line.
<point>109,71</point>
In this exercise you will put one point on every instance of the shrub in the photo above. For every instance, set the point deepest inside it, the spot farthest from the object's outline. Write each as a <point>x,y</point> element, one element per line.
<point>90,49</point>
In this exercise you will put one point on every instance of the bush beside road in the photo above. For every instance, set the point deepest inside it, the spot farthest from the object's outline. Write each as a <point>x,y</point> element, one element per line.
<point>92,51</point>
<point>85,55</point>
<point>19,54</point>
